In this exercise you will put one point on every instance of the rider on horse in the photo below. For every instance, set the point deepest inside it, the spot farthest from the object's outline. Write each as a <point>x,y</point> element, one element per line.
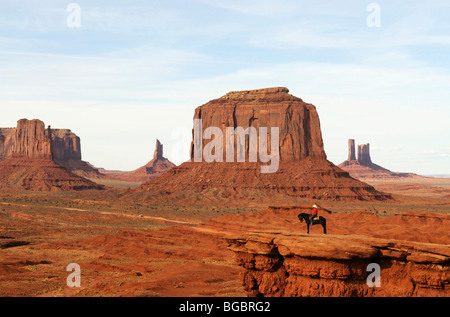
<point>314,214</point>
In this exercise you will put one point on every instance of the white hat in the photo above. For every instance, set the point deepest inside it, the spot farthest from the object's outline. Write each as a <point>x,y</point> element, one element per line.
<point>314,206</point>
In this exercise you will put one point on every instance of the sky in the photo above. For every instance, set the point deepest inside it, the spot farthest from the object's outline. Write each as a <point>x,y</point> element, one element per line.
<point>121,74</point>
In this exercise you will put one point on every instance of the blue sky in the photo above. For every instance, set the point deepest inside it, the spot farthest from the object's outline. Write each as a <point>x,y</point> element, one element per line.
<point>134,71</point>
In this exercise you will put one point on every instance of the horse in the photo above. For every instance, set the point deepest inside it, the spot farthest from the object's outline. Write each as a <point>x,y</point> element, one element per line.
<point>321,220</point>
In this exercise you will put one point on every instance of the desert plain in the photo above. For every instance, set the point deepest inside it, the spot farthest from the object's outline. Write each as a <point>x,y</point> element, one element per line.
<point>149,249</point>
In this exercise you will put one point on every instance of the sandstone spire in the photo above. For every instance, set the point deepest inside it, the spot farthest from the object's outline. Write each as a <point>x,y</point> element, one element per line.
<point>351,150</point>
<point>157,166</point>
<point>158,154</point>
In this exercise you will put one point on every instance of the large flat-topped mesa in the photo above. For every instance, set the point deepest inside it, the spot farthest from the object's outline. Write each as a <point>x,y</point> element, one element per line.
<point>298,122</point>
<point>303,170</point>
<point>276,93</point>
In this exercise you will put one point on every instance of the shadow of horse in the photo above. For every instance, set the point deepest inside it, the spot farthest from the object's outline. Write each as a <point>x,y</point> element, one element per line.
<point>321,220</point>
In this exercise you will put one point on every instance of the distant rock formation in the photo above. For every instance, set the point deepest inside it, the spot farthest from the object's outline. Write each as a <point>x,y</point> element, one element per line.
<point>363,167</point>
<point>32,140</point>
<point>7,138</point>
<point>30,164</point>
<point>65,146</point>
<point>157,166</point>
<point>364,154</point>
<point>303,171</point>
<point>351,150</point>
<point>158,154</point>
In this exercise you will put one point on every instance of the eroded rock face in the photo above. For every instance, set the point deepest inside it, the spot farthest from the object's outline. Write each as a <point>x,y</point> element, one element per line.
<point>31,165</point>
<point>7,138</point>
<point>303,169</point>
<point>299,135</point>
<point>65,145</point>
<point>32,140</point>
<point>279,260</point>
<point>364,154</point>
<point>299,265</point>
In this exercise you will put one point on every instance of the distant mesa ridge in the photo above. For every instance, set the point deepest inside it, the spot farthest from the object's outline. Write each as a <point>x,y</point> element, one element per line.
<point>64,146</point>
<point>29,160</point>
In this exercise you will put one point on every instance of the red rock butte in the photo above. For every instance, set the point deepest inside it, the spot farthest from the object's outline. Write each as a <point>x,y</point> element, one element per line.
<point>30,164</point>
<point>299,125</point>
<point>304,170</point>
<point>65,146</point>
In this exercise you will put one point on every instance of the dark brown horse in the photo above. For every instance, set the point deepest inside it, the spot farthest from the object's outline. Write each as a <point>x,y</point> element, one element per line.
<point>318,220</point>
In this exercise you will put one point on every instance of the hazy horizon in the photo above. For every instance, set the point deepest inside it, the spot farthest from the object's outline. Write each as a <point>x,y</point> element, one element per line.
<point>133,72</point>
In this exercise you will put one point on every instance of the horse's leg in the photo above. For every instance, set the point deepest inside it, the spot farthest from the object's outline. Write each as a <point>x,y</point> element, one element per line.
<point>307,227</point>
<point>324,225</point>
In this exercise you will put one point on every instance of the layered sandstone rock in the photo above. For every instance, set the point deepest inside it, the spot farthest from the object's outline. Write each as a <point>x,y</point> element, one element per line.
<point>303,169</point>
<point>66,145</point>
<point>279,259</point>
<point>299,134</point>
<point>7,138</point>
<point>32,140</point>
<point>339,266</point>
<point>65,148</point>
<point>31,165</point>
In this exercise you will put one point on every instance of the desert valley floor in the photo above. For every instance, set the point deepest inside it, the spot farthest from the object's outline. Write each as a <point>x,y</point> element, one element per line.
<point>157,248</point>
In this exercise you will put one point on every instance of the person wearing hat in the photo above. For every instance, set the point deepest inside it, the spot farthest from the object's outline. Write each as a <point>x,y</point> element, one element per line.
<point>314,214</point>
